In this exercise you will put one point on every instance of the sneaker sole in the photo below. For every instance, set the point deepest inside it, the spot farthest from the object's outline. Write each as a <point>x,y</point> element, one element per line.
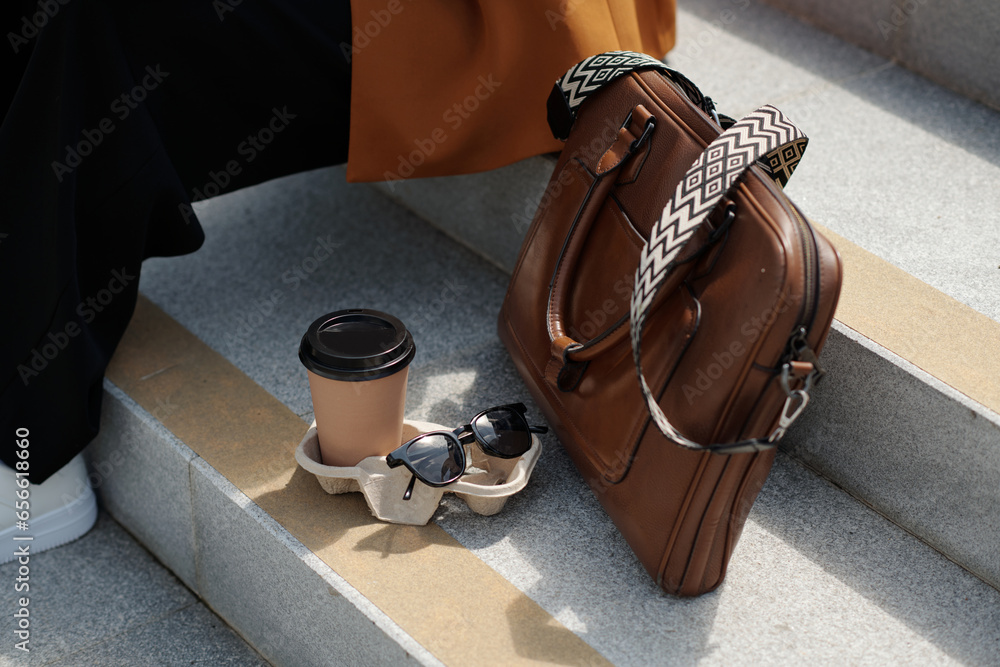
<point>54,529</point>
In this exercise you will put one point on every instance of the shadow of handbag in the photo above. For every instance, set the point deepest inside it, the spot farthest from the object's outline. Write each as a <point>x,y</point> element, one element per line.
<point>668,306</point>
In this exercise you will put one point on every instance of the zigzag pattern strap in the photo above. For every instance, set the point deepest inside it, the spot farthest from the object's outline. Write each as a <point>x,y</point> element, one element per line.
<point>589,75</point>
<point>765,132</point>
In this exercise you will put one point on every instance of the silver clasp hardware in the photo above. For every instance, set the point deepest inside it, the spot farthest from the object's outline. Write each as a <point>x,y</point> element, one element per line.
<point>795,402</point>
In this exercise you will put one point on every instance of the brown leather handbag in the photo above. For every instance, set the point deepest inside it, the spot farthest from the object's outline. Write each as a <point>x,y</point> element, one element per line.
<point>664,230</point>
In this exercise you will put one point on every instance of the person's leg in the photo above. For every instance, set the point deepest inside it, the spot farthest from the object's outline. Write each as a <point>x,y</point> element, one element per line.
<point>262,84</point>
<point>123,112</point>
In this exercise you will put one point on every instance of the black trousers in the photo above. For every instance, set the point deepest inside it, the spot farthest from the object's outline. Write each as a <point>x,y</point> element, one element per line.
<point>117,116</point>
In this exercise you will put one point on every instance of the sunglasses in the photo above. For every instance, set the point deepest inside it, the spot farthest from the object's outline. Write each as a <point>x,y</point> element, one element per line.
<point>438,458</point>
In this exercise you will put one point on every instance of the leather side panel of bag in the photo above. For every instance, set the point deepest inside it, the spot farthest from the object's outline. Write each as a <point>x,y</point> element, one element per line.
<point>712,344</point>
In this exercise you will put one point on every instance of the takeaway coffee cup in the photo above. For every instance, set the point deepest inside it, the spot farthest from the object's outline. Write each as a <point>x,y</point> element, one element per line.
<point>357,362</point>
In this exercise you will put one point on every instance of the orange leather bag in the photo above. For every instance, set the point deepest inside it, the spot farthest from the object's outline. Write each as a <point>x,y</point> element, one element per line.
<point>668,306</point>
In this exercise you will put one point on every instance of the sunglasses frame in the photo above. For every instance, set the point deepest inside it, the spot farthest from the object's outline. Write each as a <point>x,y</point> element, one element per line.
<point>463,435</point>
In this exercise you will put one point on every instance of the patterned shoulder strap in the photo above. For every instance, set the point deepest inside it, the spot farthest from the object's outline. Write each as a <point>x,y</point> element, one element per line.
<point>588,76</point>
<point>764,132</point>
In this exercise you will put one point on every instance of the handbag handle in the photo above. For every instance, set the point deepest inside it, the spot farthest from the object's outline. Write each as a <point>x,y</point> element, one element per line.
<point>765,132</point>
<point>630,139</point>
<point>567,96</point>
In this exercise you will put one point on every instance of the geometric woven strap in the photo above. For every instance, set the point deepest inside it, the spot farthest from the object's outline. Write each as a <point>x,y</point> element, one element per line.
<point>765,132</point>
<point>591,74</point>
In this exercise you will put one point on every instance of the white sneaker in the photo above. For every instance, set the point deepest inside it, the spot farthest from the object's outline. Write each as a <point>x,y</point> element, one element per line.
<point>59,510</point>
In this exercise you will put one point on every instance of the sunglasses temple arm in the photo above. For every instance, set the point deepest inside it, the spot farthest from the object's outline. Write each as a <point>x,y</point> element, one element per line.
<point>409,488</point>
<point>538,429</point>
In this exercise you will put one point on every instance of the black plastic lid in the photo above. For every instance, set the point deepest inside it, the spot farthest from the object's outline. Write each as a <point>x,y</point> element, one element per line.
<point>357,344</point>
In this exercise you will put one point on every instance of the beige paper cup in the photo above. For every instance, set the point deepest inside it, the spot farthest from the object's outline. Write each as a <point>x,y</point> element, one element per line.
<point>357,362</point>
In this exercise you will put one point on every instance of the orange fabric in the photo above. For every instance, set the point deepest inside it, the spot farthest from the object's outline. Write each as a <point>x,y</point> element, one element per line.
<point>457,86</point>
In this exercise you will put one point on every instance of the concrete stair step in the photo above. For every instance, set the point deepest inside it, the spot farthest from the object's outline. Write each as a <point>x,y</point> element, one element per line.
<point>952,43</point>
<point>206,400</point>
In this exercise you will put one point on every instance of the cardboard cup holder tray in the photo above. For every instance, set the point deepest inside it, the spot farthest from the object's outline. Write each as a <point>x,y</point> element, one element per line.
<point>485,488</point>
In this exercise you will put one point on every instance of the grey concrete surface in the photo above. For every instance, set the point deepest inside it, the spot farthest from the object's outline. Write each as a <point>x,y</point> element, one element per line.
<point>920,453</point>
<point>489,213</point>
<point>264,274</point>
<point>952,42</point>
<point>103,600</point>
<point>190,636</point>
<point>288,603</point>
<point>745,54</point>
<point>856,22</point>
<point>155,509</point>
<point>818,577</point>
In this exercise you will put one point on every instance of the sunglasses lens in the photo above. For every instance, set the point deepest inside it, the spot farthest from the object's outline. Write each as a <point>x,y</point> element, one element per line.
<point>504,431</point>
<point>436,458</point>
